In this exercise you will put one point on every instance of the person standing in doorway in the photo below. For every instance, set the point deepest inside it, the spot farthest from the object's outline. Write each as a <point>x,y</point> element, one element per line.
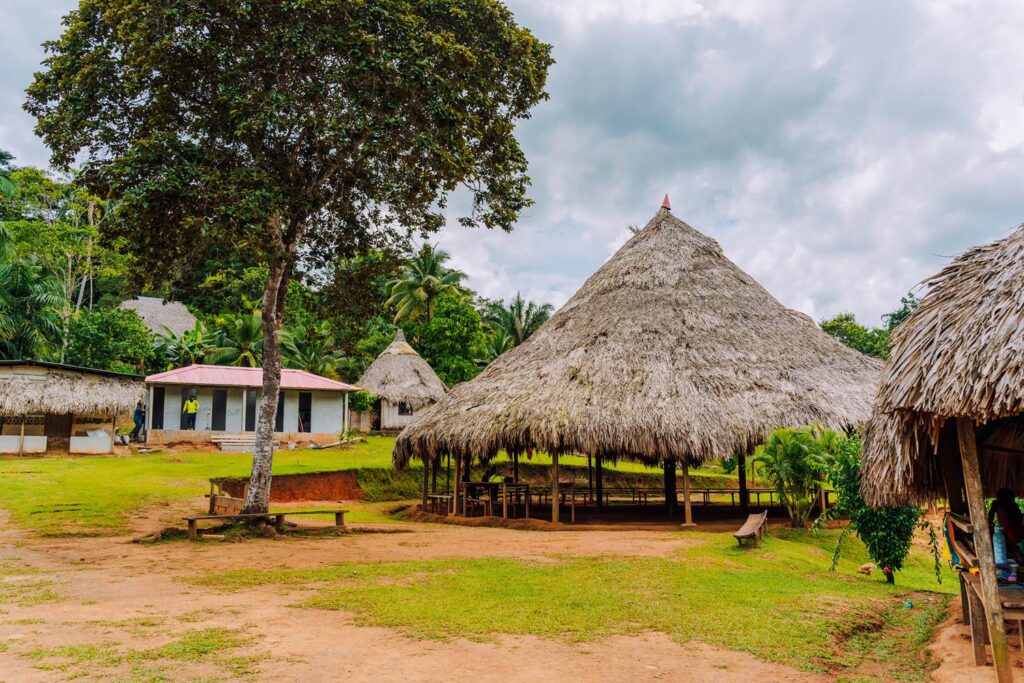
<point>140,419</point>
<point>190,410</point>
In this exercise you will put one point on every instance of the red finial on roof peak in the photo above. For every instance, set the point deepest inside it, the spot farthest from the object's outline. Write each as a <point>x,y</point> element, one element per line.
<point>665,203</point>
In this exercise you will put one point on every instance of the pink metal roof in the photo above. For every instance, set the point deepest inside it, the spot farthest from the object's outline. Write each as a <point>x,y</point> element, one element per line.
<point>223,376</point>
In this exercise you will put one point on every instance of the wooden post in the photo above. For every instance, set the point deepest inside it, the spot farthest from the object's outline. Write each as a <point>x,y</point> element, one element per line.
<point>433,473</point>
<point>599,476</point>
<point>670,486</point>
<point>590,478</point>
<point>687,510</point>
<point>554,488</point>
<point>515,466</point>
<point>113,431</point>
<point>504,500</point>
<point>21,439</point>
<point>744,494</point>
<point>983,548</point>
<point>456,489</point>
<point>426,477</point>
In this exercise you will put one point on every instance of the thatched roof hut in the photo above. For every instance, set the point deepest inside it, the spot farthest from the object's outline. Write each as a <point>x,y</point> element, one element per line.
<point>668,351</point>
<point>64,389</point>
<point>400,375</point>
<point>959,355</point>
<point>160,316</point>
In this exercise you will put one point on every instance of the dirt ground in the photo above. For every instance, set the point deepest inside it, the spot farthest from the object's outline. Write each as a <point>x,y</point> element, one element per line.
<point>106,583</point>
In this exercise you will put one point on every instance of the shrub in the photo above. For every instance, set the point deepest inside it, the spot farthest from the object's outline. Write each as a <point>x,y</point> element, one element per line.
<point>794,459</point>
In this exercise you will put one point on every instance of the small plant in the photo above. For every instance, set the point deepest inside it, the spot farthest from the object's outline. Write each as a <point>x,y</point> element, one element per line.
<point>794,460</point>
<point>730,464</point>
<point>361,401</point>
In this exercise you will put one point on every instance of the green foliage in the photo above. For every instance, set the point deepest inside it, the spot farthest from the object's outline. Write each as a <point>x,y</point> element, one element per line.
<point>496,342</point>
<point>845,328</point>
<point>519,319</point>
<point>361,401</point>
<point>7,184</point>
<point>179,351</point>
<point>794,459</point>
<point>312,349</point>
<point>422,281</point>
<point>452,340</point>
<point>109,339</point>
<point>730,464</point>
<point>871,341</point>
<point>237,340</point>
<point>887,532</point>
<point>31,300</point>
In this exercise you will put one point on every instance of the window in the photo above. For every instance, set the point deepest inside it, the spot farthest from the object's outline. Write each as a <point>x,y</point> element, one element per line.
<point>404,408</point>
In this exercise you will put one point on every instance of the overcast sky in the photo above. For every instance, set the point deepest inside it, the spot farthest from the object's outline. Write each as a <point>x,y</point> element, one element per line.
<point>839,151</point>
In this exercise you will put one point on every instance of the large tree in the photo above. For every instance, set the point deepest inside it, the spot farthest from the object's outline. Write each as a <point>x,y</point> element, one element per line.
<point>422,281</point>
<point>298,132</point>
<point>519,319</point>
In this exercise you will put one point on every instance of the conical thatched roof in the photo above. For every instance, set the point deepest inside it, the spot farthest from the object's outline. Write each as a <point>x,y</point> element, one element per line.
<point>960,354</point>
<point>399,374</point>
<point>668,350</point>
<point>160,316</point>
<point>36,388</point>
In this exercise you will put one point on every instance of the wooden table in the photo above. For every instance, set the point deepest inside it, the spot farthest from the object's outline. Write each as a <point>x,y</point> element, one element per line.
<point>493,489</point>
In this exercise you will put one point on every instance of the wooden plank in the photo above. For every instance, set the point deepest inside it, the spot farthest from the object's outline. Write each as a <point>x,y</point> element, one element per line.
<point>977,622</point>
<point>554,488</point>
<point>426,477</point>
<point>983,547</point>
<point>599,483</point>
<point>687,507</point>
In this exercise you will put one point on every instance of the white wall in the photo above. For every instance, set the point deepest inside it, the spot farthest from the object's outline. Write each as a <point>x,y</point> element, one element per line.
<point>328,409</point>
<point>389,417</point>
<point>33,444</point>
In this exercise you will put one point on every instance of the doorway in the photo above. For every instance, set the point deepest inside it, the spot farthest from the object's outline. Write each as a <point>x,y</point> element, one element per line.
<point>219,416</point>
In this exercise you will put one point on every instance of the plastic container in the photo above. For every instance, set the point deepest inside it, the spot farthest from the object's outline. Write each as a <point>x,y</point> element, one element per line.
<point>999,544</point>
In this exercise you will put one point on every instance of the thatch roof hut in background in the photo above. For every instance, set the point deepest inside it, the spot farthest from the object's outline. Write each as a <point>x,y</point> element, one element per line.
<point>949,419</point>
<point>160,315</point>
<point>668,354</point>
<point>53,407</point>
<point>403,382</point>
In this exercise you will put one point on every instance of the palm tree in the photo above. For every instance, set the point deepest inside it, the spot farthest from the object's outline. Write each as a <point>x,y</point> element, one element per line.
<point>174,351</point>
<point>519,319</point>
<point>794,460</point>
<point>31,298</point>
<point>422,280</point>
<point>498,342</point>
<point>238,341</point>
<point>313,350</point>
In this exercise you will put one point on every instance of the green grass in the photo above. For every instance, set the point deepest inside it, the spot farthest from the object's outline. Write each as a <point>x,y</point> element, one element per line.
<point>776,601</point>
<point>95,495</point>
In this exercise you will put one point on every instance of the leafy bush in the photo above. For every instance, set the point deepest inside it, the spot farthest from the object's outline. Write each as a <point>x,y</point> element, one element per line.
<point>361,401</point>
<point>887,532</point>
<point>730,464</point>
<point>794,459</point>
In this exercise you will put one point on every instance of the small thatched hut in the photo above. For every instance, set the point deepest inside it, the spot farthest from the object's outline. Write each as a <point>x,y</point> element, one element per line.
<point>668,354</point>
<point>160,316</point>
<point>52,407</point>
<point>403,382</point>
<point>949,419</point>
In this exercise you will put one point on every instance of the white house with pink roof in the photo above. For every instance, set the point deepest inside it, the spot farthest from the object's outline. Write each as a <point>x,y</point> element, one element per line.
<point>312,409</point>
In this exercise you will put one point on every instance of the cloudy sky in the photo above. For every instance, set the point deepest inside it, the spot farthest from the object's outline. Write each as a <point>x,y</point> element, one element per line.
<point>839,151</point>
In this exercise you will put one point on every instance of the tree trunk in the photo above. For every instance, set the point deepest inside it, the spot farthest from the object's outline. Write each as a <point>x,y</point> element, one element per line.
<point>257,500</point>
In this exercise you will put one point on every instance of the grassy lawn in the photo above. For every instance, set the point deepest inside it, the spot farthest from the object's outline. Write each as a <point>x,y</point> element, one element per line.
<point>95,495</point>
<point>776,601</point>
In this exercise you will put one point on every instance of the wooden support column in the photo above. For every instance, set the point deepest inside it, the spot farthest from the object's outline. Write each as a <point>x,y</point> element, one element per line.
<point>741,460</point>
<point>590,478</point>
<point>113,432</point>
<point>669,466</point>
<point>554,488</point>
<point>457,488</point>
<point>983,547</point>
<point>433,473</point>
<point>515,466</point>
<point>599,484</point>
<point>687,510</point>
<point>21,439</point>
<point>426,477</point>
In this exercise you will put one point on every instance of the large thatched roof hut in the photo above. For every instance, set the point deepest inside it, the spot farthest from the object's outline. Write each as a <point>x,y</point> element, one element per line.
<point>54,407</point>
<point>949,419</point>
<point>668,353</point>
<point>960,355</point>
<point>404,383</point>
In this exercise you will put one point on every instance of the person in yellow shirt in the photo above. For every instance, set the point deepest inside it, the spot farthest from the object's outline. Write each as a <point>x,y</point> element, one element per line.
<point>190,410</point>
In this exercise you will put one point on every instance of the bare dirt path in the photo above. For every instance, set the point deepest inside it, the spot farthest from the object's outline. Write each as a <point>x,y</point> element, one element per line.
<point>115,594</point>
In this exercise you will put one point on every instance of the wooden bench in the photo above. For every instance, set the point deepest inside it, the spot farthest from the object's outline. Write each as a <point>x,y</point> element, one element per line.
<point>753,528</point>
<point>278,517</point>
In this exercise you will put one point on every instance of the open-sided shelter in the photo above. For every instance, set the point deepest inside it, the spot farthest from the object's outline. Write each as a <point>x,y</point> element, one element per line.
<point>949,419</point>
<point>403,382</point>
<point>49,407</point>
<point>669,354</point>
